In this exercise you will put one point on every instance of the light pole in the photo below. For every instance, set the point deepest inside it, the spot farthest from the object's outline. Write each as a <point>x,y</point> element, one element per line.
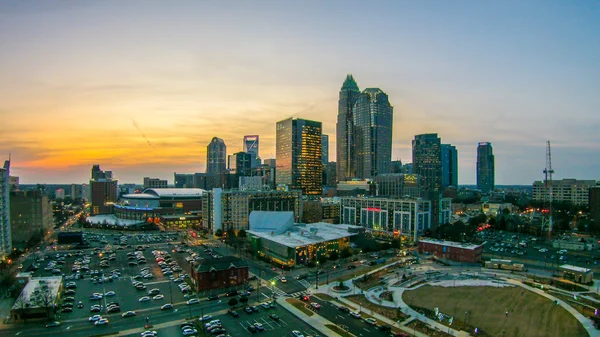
<point>272,289</point>
<point>317,276</point>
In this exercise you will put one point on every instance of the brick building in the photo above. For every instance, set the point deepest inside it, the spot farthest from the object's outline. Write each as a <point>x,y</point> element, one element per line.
<point>454,251</point>
<point>226,272</point>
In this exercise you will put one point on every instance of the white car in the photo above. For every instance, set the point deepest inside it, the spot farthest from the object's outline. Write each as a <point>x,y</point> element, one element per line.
<point>144,299</point>
<point>543,250</point>
<point>283,280</point>
<point>158,297</point>
<point>189,332</point>
<point>148,333</point>
<point>192,301</point>
<point>297,333</point>
<point>213,322</point>
<point>101,321</point>
<point>355,314</point>
<point>95,318</point>
<point>110,293</point>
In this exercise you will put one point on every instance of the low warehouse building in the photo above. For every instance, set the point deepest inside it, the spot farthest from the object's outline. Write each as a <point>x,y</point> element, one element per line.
<point>223,273</point>
<point>577,274</point>
<point>37,300</point>
<point>453,251</point>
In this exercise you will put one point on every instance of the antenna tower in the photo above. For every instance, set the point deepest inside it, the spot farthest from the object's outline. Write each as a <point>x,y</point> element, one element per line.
<point>548,171</point>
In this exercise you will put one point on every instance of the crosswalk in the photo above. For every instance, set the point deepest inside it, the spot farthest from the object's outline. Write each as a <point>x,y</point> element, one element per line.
<point>299,293</point>
<point>304,283</point>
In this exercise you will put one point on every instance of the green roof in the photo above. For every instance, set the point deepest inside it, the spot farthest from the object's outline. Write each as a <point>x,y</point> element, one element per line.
<point>350,84</point>
<point>224,263</point>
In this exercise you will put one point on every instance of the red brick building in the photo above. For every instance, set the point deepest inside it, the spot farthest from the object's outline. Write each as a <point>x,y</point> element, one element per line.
<point>454,251</point>
<point>225,273</point>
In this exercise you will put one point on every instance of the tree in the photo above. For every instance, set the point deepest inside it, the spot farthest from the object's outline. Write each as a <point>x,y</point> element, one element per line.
<point>241,233</point>
<point>46,299</point>
<point>333,256</point>
<point>233,302</point>
<point>346,252</point>
<point>22,303</point>
<point>243,300</point>
<point>219,232</point>
<point>322,259</point>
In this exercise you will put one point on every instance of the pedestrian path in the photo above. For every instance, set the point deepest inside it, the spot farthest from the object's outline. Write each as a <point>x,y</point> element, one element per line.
<point>300,293</point>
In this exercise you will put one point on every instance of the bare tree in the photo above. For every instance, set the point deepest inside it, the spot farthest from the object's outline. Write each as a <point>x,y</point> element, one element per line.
<point>22,303</point>
<point>46,299</point>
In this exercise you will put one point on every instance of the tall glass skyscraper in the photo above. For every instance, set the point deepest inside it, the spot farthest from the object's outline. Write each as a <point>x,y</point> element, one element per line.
<point>373,119</point>
<point>251,146</point>
<point>324,149</point>
<point>485,167</point>
<point>449,166</point>
<point>345,129</point>
<point>298,155</point>
<point>216,156</point>
<point>427,161</point>
<point>5,234</point>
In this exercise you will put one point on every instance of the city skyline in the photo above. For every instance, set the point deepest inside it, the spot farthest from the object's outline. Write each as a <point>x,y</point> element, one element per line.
<point>101,83</point>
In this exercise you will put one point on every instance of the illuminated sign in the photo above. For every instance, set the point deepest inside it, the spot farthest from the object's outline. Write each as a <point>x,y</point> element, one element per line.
<point>373,209</point>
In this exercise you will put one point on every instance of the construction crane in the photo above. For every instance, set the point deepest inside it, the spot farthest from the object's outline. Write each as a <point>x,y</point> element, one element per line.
<point>548,171</point>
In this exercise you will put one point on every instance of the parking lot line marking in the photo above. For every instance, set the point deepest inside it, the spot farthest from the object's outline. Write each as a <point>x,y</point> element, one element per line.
<point>367,330</point>
<point>342,317</point>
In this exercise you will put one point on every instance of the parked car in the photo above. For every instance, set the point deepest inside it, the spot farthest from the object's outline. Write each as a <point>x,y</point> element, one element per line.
<point>233,313</point>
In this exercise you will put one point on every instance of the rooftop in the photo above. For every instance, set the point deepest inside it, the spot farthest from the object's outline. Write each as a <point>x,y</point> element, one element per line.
<point>175,192</point>
<point>303,235</point>
<point>574,268</point>
<point>35,294</point>
<point>223,263</point>
<point>451,243</point>
<point>112,220</point>
<point>139,196</point>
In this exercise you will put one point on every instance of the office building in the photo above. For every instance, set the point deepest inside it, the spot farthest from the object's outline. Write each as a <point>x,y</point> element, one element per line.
<point>449,166</point>
<point>229,209</point>
<point>216,156</point>
<point>251,146</point>
<point>330,173</point>
<point>348,96</point>
<point>103,191</point>
<point>154,183</point>
<point>485,167</point>
<point>240,164</point>
<point>396,166</point>
<point>449,250</point>
<point>324,149</point>
<point>388,216</point>
<point>271,162</point>
<point>373,121</point>
<point>427,161</point>
<point>298,147</point>
<point>398,185</point>
<point>77,191</point>
<point>31,216</point>
<point>13,183</point>
<point>223,274</point>
<point>594,204</point>
<point>275,237</point>
<point>572,191</point>
<point>5,235</point>
<point>59,193</point>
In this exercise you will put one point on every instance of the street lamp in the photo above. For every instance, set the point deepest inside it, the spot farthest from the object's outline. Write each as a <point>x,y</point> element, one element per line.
<point>272,289</point>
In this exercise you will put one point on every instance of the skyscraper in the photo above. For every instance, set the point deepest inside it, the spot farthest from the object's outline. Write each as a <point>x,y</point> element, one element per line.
<point>5,236</point>
<point>251,147</point>
<point>324,149</point>
<point>485,167</point>
<point>345,129</point>
<point>427,161</point>
<point>373,119</point>
<point>239,164</point>
<point>298,155</point>
<point>449,166</point>
<point>216,156</point>
<point>103,191</point>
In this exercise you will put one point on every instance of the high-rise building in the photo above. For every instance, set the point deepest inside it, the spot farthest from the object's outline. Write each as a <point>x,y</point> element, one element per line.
<point>396,166</point>
<point>13,182</point>
<point>240,164</point>
<point>216,156</point>
<point>59,193</point>
<point>373,120</point>
<point>573,191</point>
<point>298,153</point>
<point>31,216</point>
<point>594,204</point>
<point>427,161</point>
<point>5,237</point>
<point>251,147</point>
<point>77,191</point>
<point>324,149</point>
<point>154,183</point>
<point>103,192</point>
<point>345,129</point>
<point>449,166</point>
<point>485,167</point>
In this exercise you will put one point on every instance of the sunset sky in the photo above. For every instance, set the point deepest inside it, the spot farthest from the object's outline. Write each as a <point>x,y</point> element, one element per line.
<point>140,87</point>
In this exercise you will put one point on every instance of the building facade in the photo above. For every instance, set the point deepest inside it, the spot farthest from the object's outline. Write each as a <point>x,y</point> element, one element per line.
<point>216,156</point>
<point>373,121</point>
<point>230,209</point>
<point>224,273</point>
<point>453,251</point>
<point>240,164</point>
<point>594,203</point>
<point>390,216</point>
<point>398,185</point>
<point>31,216</point>
<point>251,146</point>
<point>104,191</point>
<point>427,161</point>
<point>5,232</point>
<point>154,183</point>
<point>298,147</point>
<point>573,191</point>
<point>485,167</point>
<point>345,129</point>
<point>449,166</point>
<point>324,149</point>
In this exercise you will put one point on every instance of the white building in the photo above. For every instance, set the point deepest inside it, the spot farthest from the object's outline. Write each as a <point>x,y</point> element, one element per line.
<point>569,190</point>
<point>5,237</point>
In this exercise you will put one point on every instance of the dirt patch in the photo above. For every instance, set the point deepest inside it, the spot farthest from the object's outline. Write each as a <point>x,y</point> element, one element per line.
<point>426,329</point>
<point>529,314</point>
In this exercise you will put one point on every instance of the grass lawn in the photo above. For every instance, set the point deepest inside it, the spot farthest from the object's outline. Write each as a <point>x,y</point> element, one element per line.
<point>529,314</point>
<point>300,306</point>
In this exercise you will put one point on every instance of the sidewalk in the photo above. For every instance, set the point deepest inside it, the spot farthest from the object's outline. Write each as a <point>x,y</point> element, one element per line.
<point>316,321</point>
